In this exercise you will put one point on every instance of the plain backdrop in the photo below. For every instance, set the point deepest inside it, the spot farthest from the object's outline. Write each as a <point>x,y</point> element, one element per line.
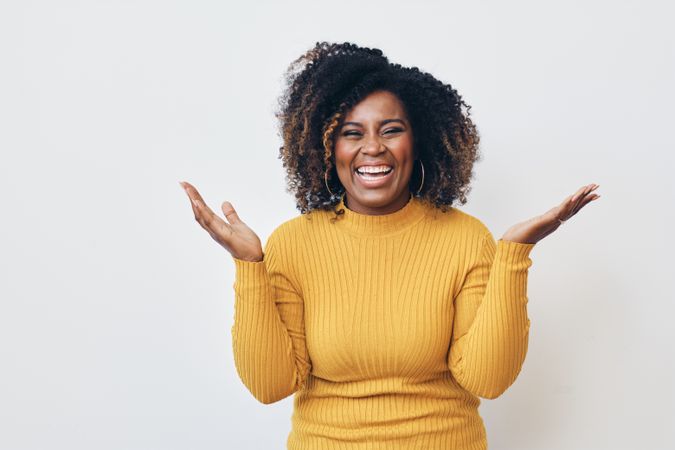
<point>116,307</point>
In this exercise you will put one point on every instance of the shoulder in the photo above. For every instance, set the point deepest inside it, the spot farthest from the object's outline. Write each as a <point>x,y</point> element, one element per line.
<point>472,223</point>
<point>284,247</point>
<point>467,224</point>
<point>471,235</point>
<point>464,227</point>
<point>290,226</point>
<point>287,234</point>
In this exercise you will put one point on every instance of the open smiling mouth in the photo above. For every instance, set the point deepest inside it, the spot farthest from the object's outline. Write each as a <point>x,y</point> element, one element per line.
<point>371,177</point>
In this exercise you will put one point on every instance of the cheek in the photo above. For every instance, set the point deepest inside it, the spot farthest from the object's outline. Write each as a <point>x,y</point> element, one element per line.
<point>404,152</point>
<point>342,157</point>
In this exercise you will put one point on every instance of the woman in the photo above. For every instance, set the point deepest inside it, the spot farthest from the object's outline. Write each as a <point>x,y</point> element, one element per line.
<point>387,311</point>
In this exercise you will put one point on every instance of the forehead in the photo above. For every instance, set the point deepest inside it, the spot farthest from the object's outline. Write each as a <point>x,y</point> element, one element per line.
<point>377,105</point>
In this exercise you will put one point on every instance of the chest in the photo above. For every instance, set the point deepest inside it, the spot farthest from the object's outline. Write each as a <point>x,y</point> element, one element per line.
<point>379,308</point>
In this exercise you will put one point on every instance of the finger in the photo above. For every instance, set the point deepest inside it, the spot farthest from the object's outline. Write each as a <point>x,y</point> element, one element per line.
<point>581,193</point>
<point>192,192</point>
<point>576,195</point>
<point>203,214</point>
<point>194,203</point>
<point>202,211</point>
<point>217,227</point>
<point>195,210</point>
<point>230,213</point>
<point>208,220</point>
<point>586,201</point>
<point>585,195</point>
<point>200,216</point>
<point>589,198</point>
<point>208,217</point>
<point>570,203</point>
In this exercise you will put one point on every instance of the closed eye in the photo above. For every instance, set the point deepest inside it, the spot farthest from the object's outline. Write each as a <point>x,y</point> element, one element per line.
<point>354,133</point>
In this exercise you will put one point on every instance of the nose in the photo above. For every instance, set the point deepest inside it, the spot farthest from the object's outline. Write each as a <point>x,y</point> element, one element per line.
<point>373,146</point>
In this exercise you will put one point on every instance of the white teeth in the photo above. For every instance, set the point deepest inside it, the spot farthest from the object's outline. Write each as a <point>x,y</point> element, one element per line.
<point>372,175</point>
<point>374,169</point>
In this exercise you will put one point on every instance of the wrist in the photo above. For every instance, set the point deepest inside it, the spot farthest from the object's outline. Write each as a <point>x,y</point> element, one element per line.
<point>257,258</point>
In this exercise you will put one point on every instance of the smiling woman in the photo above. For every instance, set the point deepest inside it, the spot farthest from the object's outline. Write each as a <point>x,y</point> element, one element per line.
<point>385,310</point>
<point>374,154</point>
<point>346,104</point>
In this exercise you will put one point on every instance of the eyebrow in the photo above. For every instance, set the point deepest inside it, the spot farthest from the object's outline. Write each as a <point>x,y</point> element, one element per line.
<point>385,121</point>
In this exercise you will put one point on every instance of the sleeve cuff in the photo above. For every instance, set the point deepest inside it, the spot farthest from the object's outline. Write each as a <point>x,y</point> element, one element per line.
<point>514,252</point>
<point>251,280</point>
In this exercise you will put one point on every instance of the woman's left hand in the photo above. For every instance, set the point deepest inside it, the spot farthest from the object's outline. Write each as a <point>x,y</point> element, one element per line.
<point>535,229</point>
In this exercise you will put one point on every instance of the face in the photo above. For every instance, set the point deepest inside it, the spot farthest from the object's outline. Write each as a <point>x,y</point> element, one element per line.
<point>375,133</point>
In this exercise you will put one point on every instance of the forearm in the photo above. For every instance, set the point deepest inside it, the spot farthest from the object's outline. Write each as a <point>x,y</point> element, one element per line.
<point>489,357</point>
<point>263,349</point>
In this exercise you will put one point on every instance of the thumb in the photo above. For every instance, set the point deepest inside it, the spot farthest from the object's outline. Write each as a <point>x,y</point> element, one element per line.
<point>230,213</point>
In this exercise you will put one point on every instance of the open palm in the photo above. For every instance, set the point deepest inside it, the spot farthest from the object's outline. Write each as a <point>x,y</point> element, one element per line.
<point>236,237</point>
<point>535,229</point>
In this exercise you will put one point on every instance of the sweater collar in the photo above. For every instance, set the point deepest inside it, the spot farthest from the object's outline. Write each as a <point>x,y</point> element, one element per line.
<point>380,225</point>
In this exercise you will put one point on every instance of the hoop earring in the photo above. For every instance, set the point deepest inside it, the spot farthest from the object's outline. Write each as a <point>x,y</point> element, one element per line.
<point>422,184</point>
<point>325,179</point>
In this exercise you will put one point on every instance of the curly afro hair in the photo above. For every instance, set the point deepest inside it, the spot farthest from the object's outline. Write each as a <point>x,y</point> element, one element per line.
<point>325,82</point>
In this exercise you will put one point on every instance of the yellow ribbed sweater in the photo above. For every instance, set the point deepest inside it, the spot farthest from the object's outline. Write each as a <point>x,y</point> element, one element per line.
<point>387,328</point>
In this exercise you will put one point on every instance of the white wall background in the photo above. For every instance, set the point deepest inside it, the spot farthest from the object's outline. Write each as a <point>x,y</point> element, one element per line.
<point>116,307</point>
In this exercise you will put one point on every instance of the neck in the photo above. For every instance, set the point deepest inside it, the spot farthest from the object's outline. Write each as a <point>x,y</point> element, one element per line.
<point>398,203</point>
<point>377,225</point>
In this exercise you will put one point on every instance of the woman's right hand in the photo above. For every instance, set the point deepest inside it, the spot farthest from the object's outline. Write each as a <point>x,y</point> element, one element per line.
<point>236,237</point>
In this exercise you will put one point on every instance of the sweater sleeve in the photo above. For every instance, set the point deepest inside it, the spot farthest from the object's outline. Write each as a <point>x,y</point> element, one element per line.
<point>268,336</point>
<point>491,326</point>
